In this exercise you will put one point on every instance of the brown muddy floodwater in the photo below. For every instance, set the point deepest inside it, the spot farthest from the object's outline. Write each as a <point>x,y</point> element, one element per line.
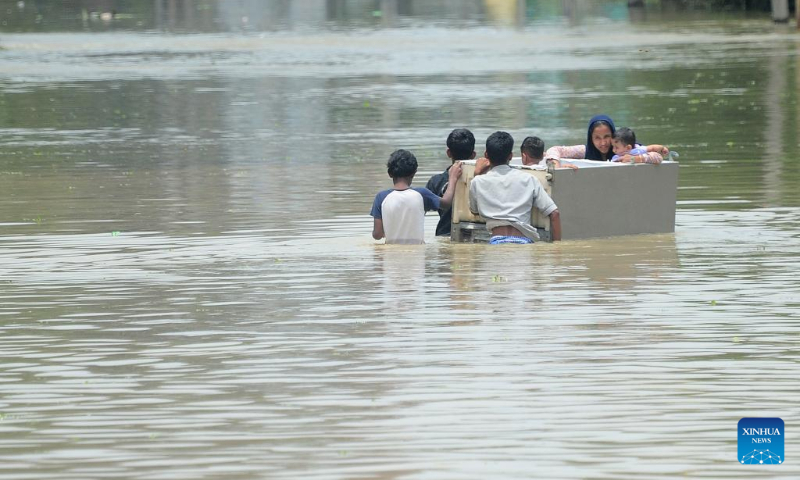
<point>189,289</point>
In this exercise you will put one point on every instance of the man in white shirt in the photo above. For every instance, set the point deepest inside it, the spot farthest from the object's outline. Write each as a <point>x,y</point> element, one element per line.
<point>505,196</point>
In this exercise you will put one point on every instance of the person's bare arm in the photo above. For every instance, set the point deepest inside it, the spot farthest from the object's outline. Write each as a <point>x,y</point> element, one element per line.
<point>660,149</point>
<point>377,229</point>
<point>482,165</point>
<point>453,176</point>
<point>559,164</point>
<point>555,226</point>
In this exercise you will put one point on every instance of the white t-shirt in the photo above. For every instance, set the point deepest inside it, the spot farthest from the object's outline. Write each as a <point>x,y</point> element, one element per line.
<point>403,213</point>
<point>506,196</point>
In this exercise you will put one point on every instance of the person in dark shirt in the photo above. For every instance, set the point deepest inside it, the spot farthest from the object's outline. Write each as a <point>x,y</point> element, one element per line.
<point>460,146</point>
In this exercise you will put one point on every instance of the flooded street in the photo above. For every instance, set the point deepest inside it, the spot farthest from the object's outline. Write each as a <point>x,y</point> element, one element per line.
<point>189,288</point>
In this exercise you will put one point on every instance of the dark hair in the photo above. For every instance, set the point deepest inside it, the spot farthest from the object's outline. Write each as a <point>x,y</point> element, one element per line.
<point>626,136</point>
<point>402,163</point>
<point>592,153</point>
<point>499,146</point>
<point>533,146</point>
<point>461,143</point>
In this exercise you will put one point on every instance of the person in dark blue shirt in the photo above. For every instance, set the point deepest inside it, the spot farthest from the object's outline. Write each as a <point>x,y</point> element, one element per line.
<point>460,146</point>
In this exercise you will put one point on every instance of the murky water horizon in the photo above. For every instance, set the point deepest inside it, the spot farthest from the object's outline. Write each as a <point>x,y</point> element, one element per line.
<point>189,289</point>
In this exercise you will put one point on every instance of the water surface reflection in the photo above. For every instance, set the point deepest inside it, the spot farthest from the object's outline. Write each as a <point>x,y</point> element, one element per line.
<point>345,357</point>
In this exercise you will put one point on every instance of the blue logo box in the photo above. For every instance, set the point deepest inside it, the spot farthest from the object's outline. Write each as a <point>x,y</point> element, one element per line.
<point>761,441</point>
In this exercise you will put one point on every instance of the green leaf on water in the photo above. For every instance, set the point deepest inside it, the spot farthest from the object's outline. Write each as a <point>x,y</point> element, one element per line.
<point>713,303</point>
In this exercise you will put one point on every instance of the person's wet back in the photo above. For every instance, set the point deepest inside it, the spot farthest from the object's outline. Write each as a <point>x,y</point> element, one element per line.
<point>505,196</point>
<point>399,213</point>
<point>460,146</point>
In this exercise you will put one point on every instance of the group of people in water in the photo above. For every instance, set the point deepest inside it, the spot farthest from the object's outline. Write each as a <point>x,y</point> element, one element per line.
<point>502,195</point>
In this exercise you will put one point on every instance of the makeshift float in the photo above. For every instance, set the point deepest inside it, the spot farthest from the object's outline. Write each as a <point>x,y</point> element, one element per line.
<point>599,199</point>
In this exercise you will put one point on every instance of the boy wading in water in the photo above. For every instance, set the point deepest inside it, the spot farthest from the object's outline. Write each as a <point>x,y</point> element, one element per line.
<point>505,196</point>
<point>399,213</point>
<point>460,146</point>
